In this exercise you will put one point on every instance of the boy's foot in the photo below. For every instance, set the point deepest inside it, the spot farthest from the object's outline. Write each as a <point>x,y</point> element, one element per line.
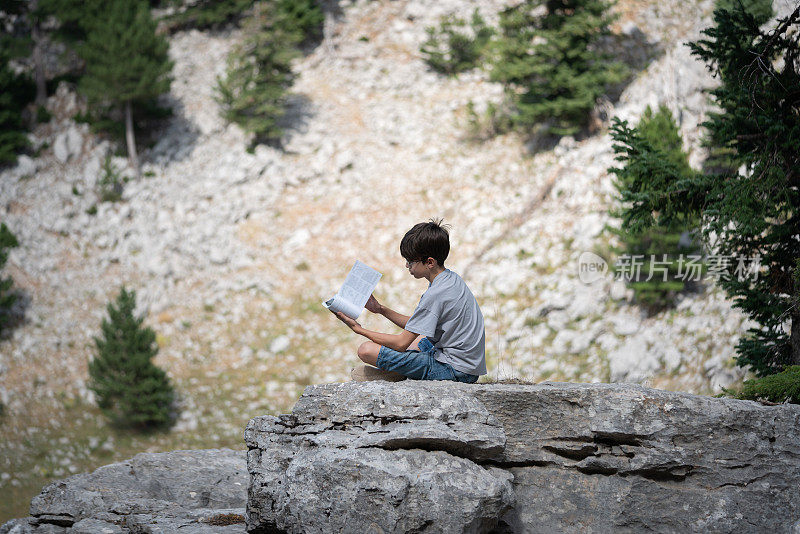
<point>366,373</point>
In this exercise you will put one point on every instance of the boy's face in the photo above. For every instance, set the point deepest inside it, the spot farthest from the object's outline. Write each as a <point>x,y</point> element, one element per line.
<point>418,268</point>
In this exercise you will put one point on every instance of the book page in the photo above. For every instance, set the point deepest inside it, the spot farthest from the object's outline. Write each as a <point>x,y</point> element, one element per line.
<point>357,287</point>
<point>339,304</point>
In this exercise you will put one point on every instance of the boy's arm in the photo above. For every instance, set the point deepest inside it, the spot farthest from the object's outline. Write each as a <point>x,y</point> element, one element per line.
<point>376,307</point>
<point>397,318</point>
<point>398,342</point>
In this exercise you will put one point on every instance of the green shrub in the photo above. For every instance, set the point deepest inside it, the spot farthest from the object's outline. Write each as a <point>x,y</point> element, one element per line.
<point>780,387</point>
<point>455,47</point>
<point>42,115</point>
<point>130,389</point>
<point>482,126</point>
<point>110,183</point>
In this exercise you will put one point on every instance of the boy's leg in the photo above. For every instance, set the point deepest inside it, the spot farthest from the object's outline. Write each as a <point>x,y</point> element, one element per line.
<point>368,351</point>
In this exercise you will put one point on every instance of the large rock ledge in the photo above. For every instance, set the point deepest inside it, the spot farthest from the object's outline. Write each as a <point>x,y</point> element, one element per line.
<point>447,457</point>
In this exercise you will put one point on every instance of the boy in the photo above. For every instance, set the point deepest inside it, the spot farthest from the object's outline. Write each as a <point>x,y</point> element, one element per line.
<point>444,339</point>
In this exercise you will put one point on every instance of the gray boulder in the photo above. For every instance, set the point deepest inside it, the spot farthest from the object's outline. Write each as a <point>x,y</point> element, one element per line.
<point>199,492</point>
<point>448,457</point>
<point>68,144</point>
<point>374,490</point>
<point>349,460</point>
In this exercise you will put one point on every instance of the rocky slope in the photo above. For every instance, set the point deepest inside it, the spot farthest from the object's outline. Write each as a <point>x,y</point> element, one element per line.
<point>232,252</point>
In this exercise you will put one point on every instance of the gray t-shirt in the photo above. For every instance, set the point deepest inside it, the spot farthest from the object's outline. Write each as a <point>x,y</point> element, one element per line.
<point>449,316</point>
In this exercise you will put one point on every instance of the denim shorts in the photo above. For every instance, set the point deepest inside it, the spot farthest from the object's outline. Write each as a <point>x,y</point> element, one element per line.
<point>420,364</point>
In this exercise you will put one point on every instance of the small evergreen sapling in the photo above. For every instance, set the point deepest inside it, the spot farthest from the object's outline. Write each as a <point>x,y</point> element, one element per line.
<point>110,185</point>
<point>254,91</point>
<point>130,389</point>
<point>656,141</point>
<point>455,47</point>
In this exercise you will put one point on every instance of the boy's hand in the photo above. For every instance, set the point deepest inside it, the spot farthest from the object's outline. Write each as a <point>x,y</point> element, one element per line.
<point>352,323</point>
<point>373,305</point>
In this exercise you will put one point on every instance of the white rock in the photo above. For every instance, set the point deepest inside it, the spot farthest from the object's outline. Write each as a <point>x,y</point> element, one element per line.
<point>631,362</point>
<point>26,166</point>
<point>279,344</point>
<point>60,148</point>
<point>296,240</point>
<point>582,341</point>
<point>583,304</point>
<point>625,324</point>
<point>557,319</point>
<point>74,141</point>
<point>618,290</point>
<point>217,256</point>
<point>672,358</point>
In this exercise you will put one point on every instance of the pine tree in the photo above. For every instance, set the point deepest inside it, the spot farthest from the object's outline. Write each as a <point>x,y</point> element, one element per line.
<point>7,300</point>
<point>757,211</point>
<point>205,14</point>
<point>303,16</point>
<point>751,209</point>
<point>658,282</point>
<point>454,47</point>
<point>761,10</point>
<point>16,89</point>
<point>254,91</point>
<point>552,65</point>
<point>24,18</point>
<point>74,18</point>
<point>131,390</point>
<point>126,62</point>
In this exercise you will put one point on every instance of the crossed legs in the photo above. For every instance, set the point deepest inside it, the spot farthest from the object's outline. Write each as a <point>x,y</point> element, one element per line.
<point>368,351</point>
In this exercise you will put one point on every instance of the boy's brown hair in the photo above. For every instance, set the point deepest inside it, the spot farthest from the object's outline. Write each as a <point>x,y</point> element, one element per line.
<point>426,240</point>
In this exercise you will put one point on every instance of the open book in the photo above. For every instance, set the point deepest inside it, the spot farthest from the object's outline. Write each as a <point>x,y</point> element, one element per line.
<point>355,292</point>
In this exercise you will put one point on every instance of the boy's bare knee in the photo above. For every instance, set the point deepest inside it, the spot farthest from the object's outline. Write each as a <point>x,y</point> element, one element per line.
<point>368,352</point>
